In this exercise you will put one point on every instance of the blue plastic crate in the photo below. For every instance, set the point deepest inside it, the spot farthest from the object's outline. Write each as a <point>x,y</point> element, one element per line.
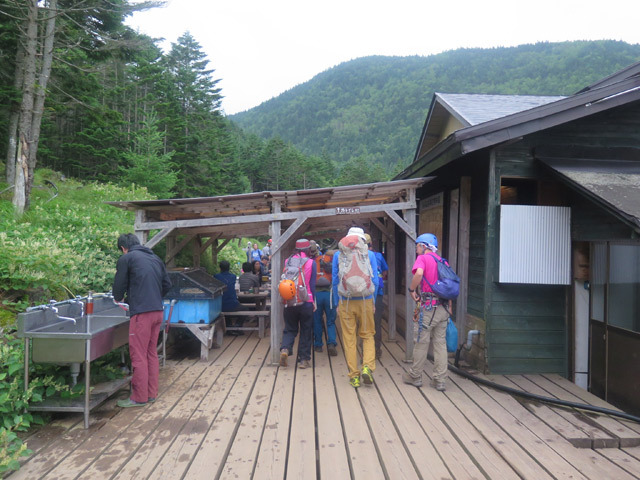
<point>194,311</point>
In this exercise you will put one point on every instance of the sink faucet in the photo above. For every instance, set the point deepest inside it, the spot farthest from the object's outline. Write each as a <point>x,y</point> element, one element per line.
<point>55,310</point>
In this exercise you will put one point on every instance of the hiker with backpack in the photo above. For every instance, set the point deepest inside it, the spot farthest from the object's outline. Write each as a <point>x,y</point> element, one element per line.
<point>431,316</point>
<point>326,303</point>
<point>355,281</point>
<point>297,289</point>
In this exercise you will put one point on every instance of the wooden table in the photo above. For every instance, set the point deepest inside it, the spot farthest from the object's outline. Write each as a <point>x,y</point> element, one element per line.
<point>259,298</point>
<point>262,311</point>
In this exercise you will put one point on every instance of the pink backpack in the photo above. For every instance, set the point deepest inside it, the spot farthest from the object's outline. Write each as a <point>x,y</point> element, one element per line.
<point>354,268</point>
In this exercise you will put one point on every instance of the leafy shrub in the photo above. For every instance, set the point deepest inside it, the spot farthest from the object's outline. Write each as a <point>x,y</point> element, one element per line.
<point>64,246</point>
<point>14,399</point>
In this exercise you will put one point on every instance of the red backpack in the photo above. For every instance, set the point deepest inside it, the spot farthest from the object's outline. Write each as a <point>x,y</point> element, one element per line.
<point>354,268</point>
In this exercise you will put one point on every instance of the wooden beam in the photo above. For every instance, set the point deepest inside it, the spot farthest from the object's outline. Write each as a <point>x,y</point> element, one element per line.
<point>175,250</point>
<point>158,237</point>
<point>208,243</point>
<point>277,245</point>
<point>265,218</point>
<point>382,228</point>
<point>408,229</point>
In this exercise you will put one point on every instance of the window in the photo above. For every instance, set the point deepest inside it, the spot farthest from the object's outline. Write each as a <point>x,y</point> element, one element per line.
<point>518,191</point>
<point>621,284</point>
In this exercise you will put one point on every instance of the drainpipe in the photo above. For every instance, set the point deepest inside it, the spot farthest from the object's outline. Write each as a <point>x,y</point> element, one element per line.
<point>466,346</point>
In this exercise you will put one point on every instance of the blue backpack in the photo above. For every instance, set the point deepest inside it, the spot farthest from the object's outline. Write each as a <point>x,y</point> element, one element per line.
<point>448,284</point>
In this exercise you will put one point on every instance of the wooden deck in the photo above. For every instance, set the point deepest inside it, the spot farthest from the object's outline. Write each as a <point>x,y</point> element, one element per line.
<point>238,417</point>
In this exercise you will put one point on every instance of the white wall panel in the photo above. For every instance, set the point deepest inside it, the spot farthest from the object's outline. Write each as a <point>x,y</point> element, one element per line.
<point>535,245</point>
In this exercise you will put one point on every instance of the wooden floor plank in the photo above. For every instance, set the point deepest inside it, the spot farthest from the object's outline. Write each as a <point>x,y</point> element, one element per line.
<point>580,459</point>
<point>232,418</point>
<point>363,457</point>
<point>590,399</point>
<point>621,435</point>
<point>422,452</point>
<point>211,455</point>
<point>563,420</point>
<point>123,448</point>
<point>395,459</point>
<point>633,451</point>
<point>156,445</point>
<point>301,460</point>
<point>244,451</point>
<point>177,458</point>
<point>460,464</point>
<point>619,457</point>
<point>332,454</point>
<point>473,441</point>
<point>67,456</point>
<point>271,462</point>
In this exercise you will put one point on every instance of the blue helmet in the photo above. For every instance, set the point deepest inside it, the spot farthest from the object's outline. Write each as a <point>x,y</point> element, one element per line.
<point>427,239</point>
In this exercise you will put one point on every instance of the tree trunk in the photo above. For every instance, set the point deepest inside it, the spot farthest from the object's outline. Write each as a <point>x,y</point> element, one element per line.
<point>29,39</point>
<point>40,92</point>
<point>14,117</point>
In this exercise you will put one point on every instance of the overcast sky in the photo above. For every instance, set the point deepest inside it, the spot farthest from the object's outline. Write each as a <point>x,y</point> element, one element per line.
<point>261,48</point>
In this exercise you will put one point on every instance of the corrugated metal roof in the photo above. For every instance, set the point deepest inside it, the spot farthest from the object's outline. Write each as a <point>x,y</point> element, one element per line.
<point>474,109</point>
<point>615,183</point>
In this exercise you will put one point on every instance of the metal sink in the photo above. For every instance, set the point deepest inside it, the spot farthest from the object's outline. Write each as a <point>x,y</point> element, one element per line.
<point>61,340</point>
<point>74,332</point>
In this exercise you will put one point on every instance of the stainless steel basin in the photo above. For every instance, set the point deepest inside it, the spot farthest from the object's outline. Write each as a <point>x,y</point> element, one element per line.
<point>56,340</point>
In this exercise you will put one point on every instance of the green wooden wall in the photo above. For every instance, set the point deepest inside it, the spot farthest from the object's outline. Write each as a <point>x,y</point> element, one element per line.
<point>526,324</point>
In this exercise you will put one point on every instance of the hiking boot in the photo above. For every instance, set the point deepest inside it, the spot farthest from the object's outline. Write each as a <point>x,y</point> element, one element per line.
<point>284,354</point>
<point>407,378</point>
<point>367,375</point>
<point>318,349</point>
<point>151,400</point>
<point>438,385</point>
<point>332,351</point>
<point>355,382</point>
<point>130,403</point>
<point>304,364</point>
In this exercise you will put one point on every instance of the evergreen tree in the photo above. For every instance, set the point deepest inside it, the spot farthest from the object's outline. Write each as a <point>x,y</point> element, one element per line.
<point>148,166</point>
<point>192,118</point>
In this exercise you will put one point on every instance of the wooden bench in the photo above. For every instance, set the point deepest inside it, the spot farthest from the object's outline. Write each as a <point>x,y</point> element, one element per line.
<point>204,332</point>
<point>261,315</point>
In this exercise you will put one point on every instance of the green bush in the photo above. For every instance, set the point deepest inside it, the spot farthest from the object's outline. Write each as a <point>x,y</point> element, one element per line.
<point>14,400</point>
<point>64,246</point>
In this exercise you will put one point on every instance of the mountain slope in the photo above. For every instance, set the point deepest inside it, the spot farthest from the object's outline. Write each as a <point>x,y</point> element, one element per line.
<point>376,106</point>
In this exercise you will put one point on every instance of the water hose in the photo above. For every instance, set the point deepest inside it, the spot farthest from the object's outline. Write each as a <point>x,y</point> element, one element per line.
<point>532,396</point>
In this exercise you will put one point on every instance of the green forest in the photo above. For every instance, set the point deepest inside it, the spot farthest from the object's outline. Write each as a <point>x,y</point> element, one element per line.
<point>374,108</point>
<point>84,95</point>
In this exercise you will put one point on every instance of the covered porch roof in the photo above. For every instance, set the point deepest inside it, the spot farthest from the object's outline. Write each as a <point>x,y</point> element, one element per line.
<point>284,216</point>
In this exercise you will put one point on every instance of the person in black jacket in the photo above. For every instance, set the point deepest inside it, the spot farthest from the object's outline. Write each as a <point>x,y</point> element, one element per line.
<point>143,277</point>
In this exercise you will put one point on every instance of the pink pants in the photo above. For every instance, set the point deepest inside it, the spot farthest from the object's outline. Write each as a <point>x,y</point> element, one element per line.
<point>144,329</point>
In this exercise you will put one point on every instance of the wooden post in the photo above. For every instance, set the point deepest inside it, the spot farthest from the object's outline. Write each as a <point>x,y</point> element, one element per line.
<point>452,240</point>
<point>410,256</point>
<point>391,279</point>
<point>214,253</point>
<point>277,310</point>
<point>197,246</point>
<point>463,255</point>
<point>143,235</point>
